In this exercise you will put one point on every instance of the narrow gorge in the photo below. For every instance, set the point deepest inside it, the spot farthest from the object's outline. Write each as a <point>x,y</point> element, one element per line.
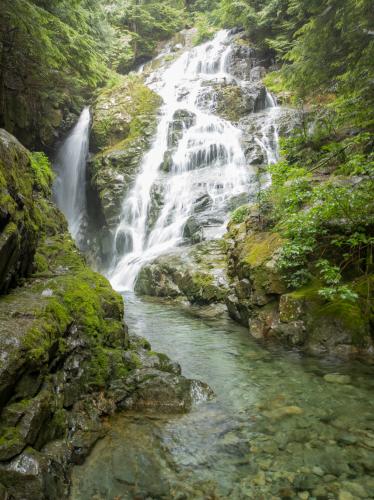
<point>186,269</point>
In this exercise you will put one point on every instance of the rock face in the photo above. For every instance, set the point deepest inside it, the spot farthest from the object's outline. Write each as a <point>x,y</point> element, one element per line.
<point>19,217</point>
<point>197,274</point>
<point>124,120</point>
<point>66,356</point>
<point>259,298</point>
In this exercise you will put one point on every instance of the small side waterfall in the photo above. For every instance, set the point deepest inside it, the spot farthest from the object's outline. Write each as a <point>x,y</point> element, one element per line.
<point>206,164</point>
<point>70,166</point>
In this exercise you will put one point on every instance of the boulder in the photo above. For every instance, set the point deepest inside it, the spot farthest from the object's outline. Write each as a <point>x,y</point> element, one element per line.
<point>163,392</point>
<point>197,273</point>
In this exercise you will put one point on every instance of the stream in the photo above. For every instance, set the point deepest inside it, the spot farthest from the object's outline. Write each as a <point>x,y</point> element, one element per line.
<point>281,424</point>
<point>276,427</point>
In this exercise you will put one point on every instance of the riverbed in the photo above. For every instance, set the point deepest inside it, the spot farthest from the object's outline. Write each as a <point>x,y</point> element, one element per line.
<point>281,425</point>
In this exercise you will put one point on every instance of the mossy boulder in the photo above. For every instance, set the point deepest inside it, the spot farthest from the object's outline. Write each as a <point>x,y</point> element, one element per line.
<point>337,326</point>
<point>197,274</point>
<point>252,257</point>
<point>235,101</point>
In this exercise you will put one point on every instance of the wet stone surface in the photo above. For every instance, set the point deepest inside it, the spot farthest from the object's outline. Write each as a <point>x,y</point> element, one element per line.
<point>281,425</point>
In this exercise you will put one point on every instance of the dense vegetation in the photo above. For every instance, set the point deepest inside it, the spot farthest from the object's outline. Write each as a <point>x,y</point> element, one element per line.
<point>55,53</point>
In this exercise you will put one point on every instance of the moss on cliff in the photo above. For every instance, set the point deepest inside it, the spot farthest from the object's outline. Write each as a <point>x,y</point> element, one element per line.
<point>260,247</point>
<point>124,121</point>
<point>123,113</point>
<point>25,181</point>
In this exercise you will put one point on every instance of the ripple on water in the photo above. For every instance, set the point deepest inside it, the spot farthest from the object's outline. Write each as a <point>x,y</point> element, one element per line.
<point>276,428</point>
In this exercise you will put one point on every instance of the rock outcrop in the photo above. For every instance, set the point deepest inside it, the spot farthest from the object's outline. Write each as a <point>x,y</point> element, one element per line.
<point>66,356</point>
<point>259,297</point>
<point>124,120</point>
<point>20,217</point>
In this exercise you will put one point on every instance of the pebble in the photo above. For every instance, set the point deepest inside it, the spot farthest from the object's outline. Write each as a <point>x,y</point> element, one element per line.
<point>345,495</point>
<point>284,411</point>
<point>336,378</point>
<point>356,489</point>
<point>304,495</point>
<point>317,471</point>
<point>260,479</point>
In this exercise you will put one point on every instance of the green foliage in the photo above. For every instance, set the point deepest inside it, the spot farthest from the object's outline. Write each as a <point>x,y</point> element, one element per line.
<point>325,207</point>
<point>141,25</point>
<point>205,28</point>
<point>240,214</point>
<point>43,172</point>
<point>332,277</point>
<point>328,48</point>
<point>50,59</point>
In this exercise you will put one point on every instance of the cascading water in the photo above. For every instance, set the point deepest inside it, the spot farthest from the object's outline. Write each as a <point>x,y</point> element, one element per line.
<point>70,166</point>
<point>207,161</point>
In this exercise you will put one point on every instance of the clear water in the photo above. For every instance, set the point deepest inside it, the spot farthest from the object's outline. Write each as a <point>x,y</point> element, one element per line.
<point>275,429</point>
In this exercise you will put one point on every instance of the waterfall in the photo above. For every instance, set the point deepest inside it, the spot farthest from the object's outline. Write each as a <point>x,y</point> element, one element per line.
<point>70,166</point>
<point>207,162</point>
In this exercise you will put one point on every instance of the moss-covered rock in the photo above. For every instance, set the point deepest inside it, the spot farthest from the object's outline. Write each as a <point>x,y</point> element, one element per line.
<point>197,273</point>
<point>124,120</point>
<point>259,298</point>
<point>235,101</point>
<point>23,179</point>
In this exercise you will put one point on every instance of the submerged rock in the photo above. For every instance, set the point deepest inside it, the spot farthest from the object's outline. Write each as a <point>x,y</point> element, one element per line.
<point>336,378</point>
<point>163,392</point>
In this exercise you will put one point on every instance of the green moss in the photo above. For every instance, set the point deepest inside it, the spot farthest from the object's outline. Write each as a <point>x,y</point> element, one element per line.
<point>230,104</point>
<point>201,288</point>
<point>309,291</point>
<point>41,263</point>
<point>136,360</point>
<point>43,173</point>
<point>349,315</point>
<point>124,114</point>
<point>10,436</point>
<point>260,247</point>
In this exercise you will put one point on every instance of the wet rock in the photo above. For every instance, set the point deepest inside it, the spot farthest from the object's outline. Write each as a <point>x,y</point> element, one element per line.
<point>202,203</point>
<point>182,120</point>
<point>124,120</point>
<point>193,230</point>
<point>256,124</point>
<point>244,61</point>
<point>197,273</point>
<point>235,101</point>
<point>163,392</point>
<point>33,476</point>
<point>18,217</point>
